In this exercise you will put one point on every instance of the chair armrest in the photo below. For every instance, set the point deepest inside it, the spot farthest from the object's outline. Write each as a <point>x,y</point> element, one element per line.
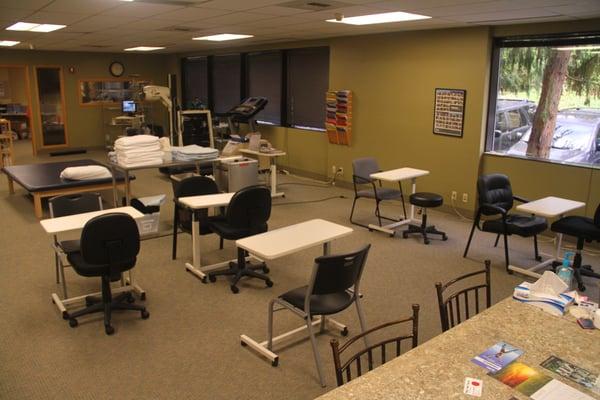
<point>521,199</point>
<point>492,209</point>
<point>360,180</point>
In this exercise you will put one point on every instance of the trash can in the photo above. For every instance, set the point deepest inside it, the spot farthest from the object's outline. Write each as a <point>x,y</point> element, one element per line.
<point>150,207</point>
<point>233,175</point>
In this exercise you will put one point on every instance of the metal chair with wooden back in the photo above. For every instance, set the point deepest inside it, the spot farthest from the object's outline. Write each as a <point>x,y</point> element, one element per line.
<point>452,312</point>
<point>345,369</point>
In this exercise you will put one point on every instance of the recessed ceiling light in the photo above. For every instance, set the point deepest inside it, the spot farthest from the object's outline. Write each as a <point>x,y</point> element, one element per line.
<point>222,37</point>
<point>8,43</point>
<point>379,18</point>
<point>144,48</point>
<point>33,27</point>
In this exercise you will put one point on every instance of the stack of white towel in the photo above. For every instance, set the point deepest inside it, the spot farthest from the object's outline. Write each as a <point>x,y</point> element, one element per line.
<point>139,150</point>
<point>194,152</point>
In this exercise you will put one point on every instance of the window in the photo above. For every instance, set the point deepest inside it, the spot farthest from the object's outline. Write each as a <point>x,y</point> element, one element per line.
<point>307,82</point>
<point>226,80</point>
<point>546,88</point>
<point>264,80</point>
<point>194,72</point>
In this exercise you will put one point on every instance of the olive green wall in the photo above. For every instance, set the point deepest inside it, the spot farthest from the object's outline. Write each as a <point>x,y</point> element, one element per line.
<point>85,127</point>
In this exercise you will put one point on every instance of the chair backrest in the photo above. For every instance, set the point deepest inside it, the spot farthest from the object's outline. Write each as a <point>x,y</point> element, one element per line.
<point>495,189</point>
<point>112,240</point>
<point>250,208</point>
<point>344,370</point>
<point>338,273</point>
<point>597,216</point>
<point>192,186</point>
<point>458,307</point>
<point>362,168</point>
<point>78,203</point>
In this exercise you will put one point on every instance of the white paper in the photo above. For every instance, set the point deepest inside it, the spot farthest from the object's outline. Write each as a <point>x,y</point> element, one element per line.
<point>556,390</point>
<point>550,284</point>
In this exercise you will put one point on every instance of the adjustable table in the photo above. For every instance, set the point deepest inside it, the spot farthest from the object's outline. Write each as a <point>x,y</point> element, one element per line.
<point>398,175</point>
<point>273,167</point>
<point>284,241</point>
<point>55,226</point>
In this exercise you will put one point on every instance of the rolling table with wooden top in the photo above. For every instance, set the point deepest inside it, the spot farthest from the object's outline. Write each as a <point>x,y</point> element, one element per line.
<point>59,225</point>
<point>282,242</point>
<point>548,207</point>
<point>437,369</point>
<point>399,175</point>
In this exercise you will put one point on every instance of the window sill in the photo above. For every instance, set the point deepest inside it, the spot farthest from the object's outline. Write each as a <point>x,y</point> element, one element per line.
<point>541,160</point>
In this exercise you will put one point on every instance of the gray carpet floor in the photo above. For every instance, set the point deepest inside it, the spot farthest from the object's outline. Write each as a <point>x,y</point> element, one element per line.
<point>189,348</point>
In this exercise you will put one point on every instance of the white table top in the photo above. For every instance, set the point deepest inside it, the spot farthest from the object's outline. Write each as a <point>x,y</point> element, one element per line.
<point>400,174</point>
<point>275,153</point>
<point>77,221</point>
<point>550,207</point>
<point>290,239</point>
<point>206,201</point>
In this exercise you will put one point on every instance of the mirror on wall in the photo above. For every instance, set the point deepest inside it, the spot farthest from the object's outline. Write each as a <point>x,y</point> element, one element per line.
<point>52,108</point>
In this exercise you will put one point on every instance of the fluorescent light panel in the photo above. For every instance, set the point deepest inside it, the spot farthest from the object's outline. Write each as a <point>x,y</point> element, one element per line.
<point>222,37</point>
<point>382,18</point>
<point>8,43</point>
<point>144,48</point>
<point>33,27</point>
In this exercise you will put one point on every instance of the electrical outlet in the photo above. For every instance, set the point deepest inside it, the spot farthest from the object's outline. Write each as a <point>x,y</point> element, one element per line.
<point>465,197</point>
<point>340,171</point>
<point>454,195</point>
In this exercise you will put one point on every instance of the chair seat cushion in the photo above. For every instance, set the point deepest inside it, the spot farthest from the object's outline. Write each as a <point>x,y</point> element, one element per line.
<point>226,231</point>
<point>382,193</point>
<point>577,226</point>
<point>84,269</point>
<point>319,304</point>
<point>521,225</point>
<point>69,246</point>
<point>426,199</point>
<point>205,229</point>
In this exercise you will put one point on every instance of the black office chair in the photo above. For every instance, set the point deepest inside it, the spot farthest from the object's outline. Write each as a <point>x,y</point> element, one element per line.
<point>495,197</point>
<point>457,306</point>
<point>357,359</point>
<point>362,168</point>
<point>247,215</point>
<point>64,205</point>
<point>182,217</point>
<point>109,246</point>
<point>584,229</point>
<point>333,287</point>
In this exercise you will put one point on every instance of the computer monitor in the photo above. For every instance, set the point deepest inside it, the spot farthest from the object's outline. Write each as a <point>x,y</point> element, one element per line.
<point>129,107</point>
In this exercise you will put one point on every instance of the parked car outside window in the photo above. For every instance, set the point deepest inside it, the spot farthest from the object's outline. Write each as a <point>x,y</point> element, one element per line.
<point>513,119</point>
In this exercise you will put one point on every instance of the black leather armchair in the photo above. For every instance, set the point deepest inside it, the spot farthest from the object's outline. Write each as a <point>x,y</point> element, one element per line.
<point>495,198</point>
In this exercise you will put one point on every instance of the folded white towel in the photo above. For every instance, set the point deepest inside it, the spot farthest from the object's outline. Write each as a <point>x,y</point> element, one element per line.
<point>136,140</point>
<point>85,173</point>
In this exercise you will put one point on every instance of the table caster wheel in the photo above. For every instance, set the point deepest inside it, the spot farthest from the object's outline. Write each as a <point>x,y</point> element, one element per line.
<point>275,362</point>
<point>109,330</point>
<point>143,296</point>
<point>145,314</point>
<point>269,283</point>
<point>444,237</point>
<point>212,278</point>
<point>266,269</point>
<point>345,331</point>
<point>426,241</point>
<point>65,315</point>
<point>234,289</point>
<point>404,235</point>
<point>73,323</point>
<point>243,343</point>
<point>370,230</point>
<point>391,235</point>
<point>204,279</point>
<point>88,302</point>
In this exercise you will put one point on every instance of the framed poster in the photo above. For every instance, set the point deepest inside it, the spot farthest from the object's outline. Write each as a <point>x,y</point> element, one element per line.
<point>95,92</point>
<point>449,112</point>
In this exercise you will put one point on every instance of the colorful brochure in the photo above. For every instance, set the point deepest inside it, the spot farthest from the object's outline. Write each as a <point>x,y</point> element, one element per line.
<point>497,357</point>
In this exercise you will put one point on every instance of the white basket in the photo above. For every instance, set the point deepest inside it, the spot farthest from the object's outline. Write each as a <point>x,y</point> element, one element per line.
<point>148,223</point>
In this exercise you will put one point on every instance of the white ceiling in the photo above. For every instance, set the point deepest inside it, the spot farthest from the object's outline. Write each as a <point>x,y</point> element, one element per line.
<point>112,25</point>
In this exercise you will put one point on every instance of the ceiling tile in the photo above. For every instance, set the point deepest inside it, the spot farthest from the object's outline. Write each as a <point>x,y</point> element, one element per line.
<point>515,15</point>
<point>237,5</point>
<point>88,7</point>
<point>277,10</point>
<point>239,18</point>
<point>55,18</point>
<point>141,10</point>
<point>99,22</point>
<point>192,14</point>
<point>14,14</point>
<point>31,5</point>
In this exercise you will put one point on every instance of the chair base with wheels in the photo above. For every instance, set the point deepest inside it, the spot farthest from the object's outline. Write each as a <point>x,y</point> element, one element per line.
<point>240,269</point>
<point>425,201</point>
<point>107,304</point>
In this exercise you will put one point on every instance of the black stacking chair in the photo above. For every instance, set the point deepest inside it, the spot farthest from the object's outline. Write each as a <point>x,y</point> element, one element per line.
<point>182,217</point>
<point>109,246</point>
<point>333,287</point>
<point>457,306</point>
<point>362,168</point>
<point>585,230</point>
<point>61,206</point>
<point>496,198</point>
<point>357,359</point>
<point>247,215</point>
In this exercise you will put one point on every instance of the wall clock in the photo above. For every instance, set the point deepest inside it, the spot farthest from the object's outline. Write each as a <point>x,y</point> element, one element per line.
<point>116,69</point>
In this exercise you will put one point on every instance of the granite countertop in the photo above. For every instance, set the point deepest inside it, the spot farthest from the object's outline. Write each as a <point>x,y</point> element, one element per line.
<point>437,369</point>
